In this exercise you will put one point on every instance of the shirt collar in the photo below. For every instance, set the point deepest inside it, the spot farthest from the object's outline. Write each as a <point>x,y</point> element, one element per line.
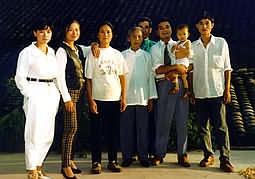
<point>211,41</point>
<point>168,43</point>
<point>134,52</point>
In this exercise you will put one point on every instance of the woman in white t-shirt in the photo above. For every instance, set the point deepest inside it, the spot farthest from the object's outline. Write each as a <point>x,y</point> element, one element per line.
<point>106,92</point>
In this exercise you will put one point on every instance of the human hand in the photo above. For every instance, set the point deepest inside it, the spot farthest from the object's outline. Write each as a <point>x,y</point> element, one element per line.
<point>69,106</point>
<point>227,97</point>
<point>93,107</point>
<point>95,49</point>
<point>123,104</point>
<point>150,105</point>
<point>181,69</point>
<point>192,98</point>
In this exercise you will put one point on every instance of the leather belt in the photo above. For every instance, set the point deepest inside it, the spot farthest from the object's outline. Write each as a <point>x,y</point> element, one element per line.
<point>40,80</point>
<point>160,79</point>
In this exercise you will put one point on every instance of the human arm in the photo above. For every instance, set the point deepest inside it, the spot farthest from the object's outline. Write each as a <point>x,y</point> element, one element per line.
<point>92,103</point>
<point>183,52</point>
<point>89,74</point>
<point>94,48</point>
<point>163,69</point>
<point>226,93</point>
<point>22,73</point>
<point>190,80</point>
<point>61,57</point>
<point>227,73</point>
<point>123,103</point>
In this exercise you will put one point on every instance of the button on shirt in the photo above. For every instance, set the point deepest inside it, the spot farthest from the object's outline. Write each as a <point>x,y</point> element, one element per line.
<point>157,53</point>
<point>140,79</point>
<point>62,61</point>
<point>209,65</point>
<point>33,63</point>
<point>104,73</point>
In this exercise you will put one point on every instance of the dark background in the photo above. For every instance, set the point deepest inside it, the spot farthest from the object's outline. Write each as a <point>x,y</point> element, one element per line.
<point>234,20</point>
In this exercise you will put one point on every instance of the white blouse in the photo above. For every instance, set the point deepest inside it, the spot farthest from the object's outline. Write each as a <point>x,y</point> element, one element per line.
<point>33,63</point>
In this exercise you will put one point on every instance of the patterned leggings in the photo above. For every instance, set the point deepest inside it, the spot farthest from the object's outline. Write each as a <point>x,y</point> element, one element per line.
<point>70,129</point>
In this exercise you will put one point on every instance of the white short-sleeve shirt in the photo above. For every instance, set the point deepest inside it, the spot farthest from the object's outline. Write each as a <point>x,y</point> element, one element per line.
<point>104,73</point>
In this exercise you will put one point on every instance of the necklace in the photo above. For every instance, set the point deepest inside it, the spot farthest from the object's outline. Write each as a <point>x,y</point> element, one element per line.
<point>74,48</point>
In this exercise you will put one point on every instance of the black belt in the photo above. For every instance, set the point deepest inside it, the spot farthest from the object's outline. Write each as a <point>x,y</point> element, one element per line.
<point>40,80</point>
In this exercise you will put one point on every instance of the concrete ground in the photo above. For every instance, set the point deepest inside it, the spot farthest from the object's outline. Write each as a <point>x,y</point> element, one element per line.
<point>12,167</point>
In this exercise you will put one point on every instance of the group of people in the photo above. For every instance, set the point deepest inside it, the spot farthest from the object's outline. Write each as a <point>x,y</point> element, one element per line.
<point>133,95</point>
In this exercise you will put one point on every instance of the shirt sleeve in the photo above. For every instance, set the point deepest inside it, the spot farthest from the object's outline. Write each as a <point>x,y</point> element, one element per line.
<point>61,80</point>
<point>155,58</point>
<point>89,66</point>
<point>86,50</point>
<point>191,54</point>
<point>22,73</point>
<point>151,78</point>
<point>227,65</point>
<point>123,68</point>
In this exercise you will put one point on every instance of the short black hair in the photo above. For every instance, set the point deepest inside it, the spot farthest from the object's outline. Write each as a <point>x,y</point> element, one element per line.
<point>104,23</point>
<point>68,23</point>
<point>142,19</point>
<point>204,15</point>
<point>163,19</point>
<point>182,26</point>
<point>42,24</point>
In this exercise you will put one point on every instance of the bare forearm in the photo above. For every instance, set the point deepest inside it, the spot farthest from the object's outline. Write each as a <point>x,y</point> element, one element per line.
<point>89,89</point>
<point>227,75</point>
<point>184,53</point>
<point>123,85</point>
<point>163,69</point>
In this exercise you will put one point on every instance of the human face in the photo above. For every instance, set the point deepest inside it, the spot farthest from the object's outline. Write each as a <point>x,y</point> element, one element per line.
<point>205,27</point>
<point>105,35</point>
<point>43,36</point>
<point>136,39</point>
<point>73,32</point>
<point>164,31</point>
<point>182,34</point>
<point>145,25</point>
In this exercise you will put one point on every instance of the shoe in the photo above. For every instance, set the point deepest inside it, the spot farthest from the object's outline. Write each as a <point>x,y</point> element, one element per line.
<point>96,168</point>
<point>183,161</point>
<point>114,166</point>
<point>127,162</point>
<point>65,176</point>
<point>32,176</point>
<point>76,170</point>
<point>145,163</point>
<point>157,161</point>
<point>207,161</point>
<point>226,166</point>
<point>42,175</point>
<point>135,157</point>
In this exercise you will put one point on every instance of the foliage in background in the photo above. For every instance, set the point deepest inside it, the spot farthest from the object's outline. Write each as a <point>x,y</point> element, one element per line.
<point>12,126</point>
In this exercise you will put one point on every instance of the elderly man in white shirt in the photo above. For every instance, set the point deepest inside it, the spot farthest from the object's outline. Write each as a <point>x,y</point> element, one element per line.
<point>211,83</point>
<point>168,106</point>
<point>141,89</point>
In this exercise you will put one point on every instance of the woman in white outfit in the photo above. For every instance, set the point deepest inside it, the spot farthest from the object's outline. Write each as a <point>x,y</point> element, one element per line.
<point>36,70</point>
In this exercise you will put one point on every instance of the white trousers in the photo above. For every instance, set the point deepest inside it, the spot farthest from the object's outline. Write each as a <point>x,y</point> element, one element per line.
<point>40,109</point>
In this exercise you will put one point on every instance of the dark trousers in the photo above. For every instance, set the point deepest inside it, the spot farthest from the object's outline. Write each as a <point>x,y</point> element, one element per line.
<point>169,107</point>
<point>134,132</point>
<point>105,127</point>
<point>213,109</point>
<point>151,126</point>
<point>70,128</point>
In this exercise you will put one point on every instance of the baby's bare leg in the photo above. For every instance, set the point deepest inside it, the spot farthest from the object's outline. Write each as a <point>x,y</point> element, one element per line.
<point>175,83</point>
<point>185,85</point>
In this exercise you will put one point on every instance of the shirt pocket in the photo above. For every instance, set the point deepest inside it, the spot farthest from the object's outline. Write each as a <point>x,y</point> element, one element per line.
<point>218,62</point>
